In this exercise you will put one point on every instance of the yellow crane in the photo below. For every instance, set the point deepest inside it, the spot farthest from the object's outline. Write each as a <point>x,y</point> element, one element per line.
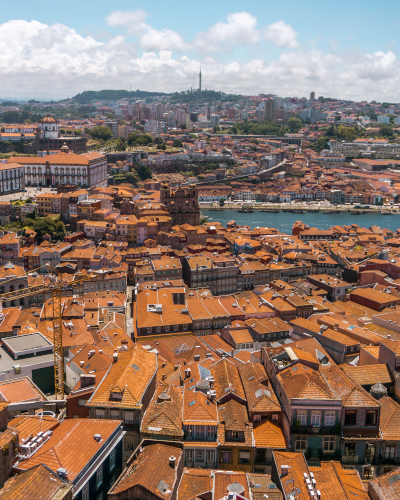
<point>55,288</point>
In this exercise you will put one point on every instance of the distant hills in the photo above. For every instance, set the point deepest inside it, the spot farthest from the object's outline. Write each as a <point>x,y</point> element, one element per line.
<point>112,95</point>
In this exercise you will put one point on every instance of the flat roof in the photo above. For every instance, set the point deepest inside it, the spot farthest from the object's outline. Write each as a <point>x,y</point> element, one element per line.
<point>28,342</point>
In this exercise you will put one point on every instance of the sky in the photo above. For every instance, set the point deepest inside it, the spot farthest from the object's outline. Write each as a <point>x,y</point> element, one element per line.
<point>344,49</point>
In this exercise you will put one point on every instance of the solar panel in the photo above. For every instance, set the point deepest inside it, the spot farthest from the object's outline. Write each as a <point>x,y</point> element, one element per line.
<point>135,367</point>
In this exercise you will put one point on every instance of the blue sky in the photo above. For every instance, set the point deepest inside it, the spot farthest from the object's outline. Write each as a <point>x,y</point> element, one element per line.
<point>56,49</point>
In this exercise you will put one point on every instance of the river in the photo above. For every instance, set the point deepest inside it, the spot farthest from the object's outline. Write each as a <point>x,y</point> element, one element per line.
<point>283,221</point>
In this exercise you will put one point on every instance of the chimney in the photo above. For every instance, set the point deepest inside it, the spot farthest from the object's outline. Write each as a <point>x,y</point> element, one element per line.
<point>87,380</point>
<point>82,363</point>
<point>172,461</point>
<point>196,357</point>
<point>90,354</point>
<point>115,357</point>
<point>285,470</point>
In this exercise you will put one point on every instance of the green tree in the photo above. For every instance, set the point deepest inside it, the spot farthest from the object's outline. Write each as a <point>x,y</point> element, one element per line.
<point>78,131</point>
<point>132,178</point>
<point>163,146</point>
<point>69,132</point>
<point>101,132</point>
<point>386,131</point>
<point>143,171</point>
<point>294,124</point>
<point>177,143</point>
<point>221,202</point>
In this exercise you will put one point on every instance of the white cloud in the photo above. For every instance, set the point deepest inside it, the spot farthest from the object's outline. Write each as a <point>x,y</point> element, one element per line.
<point>281,34</point>
<point>37,60</point>
<point>148,37</point>
<point>240,29</point>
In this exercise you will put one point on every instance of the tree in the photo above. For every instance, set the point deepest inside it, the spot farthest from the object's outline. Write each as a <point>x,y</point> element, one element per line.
<point>221,202</point>
<point>386,131</point>
<point>3,129</point>
<point>143,171</point>
<point>347,133</point>
<point>132,178</point>
<point>78,131</point>
<point>294,124</point>
<point>69,132</point>
<point>163,146</point>
<point>101,132</point>
<point>177,143</point>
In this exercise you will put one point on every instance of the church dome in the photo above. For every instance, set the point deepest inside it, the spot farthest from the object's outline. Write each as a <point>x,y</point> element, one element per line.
<point>48,119</point>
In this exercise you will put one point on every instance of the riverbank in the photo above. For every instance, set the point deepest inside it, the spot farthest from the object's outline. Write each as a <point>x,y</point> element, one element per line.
<point>300,207</point>
<point>284,220</point>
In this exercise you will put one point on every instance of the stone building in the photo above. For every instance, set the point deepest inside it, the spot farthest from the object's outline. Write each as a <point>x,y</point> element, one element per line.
<point>182,205</point>
<point>48,137</point>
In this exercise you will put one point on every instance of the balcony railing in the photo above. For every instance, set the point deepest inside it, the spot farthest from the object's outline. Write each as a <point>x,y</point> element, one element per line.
<point>311,429</point>
<point>352,459</point>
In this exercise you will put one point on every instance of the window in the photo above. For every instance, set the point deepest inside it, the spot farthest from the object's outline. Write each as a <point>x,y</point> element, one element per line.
<point>300,443</point>
<point>128,417</point>
<point>99,477</point>
<point>210,431</point>
<point>210,457</point>
<point>390,451</point>
<point>329,444</point>
<point>112,460</point>
<point>199,431</point>
<point>329,418</point>
<point>114,414</point>
<point>226,457</point>
<point>350,417</point>
<point>189,455</point>
<point>302,417</point>
<point>199,455</point>
<point>100,414</point>
<point>349,449</point>
<point>316,418</point>
<point>370,418</point>
<point>275,417</point>
<point>82,402</point>
<point>85,493</point>
<point>256,418</point>
<point>76,416</point>
<point>235,434</point>
<point>129,443</point>
<point>244,457</point>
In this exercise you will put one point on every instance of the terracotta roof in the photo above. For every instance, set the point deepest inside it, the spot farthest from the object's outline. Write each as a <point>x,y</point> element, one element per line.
<point>352,394</point>
<point>194,482</point>
<point>295,476</point>
<point>259,392</point>
<point>27,425</point>
<point>335,482</point>
<point>40,478</point>
<point>197,407</point>
<point>300,381</point>
<point>233,417</point>
<point>387,486</point>
<point>368,374</point>
<point>72,445</point>
<point>151,471</point>
<point>164,413</point>
<point>129,376</point>
<point>267,434</point>
<point>223,479</point>
<point>19,390</point>
<point>227,380</point>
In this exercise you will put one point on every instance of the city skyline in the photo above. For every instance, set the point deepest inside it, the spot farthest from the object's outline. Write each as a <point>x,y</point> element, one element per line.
<point>51,52</point>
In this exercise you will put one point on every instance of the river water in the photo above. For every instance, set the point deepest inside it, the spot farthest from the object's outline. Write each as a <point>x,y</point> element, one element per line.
<point>283,221</point>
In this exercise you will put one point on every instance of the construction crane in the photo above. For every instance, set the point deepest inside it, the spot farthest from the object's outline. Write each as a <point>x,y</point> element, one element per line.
<point>55,287</point>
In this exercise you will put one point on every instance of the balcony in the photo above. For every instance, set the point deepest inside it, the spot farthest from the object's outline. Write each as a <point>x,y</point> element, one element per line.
<point>310,429</point>
<point>350,459</point>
